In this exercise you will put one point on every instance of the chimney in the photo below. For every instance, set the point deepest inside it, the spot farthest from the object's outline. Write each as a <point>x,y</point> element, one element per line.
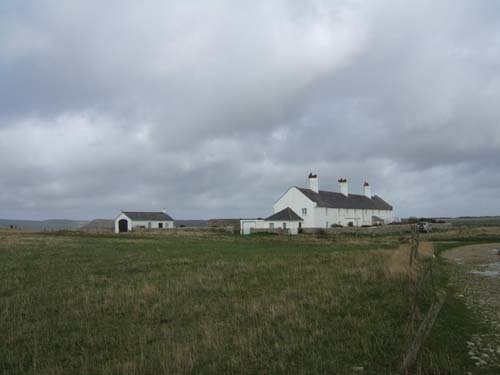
<point>313,182</point>
<point>368,190</point>
<point>344,189</point>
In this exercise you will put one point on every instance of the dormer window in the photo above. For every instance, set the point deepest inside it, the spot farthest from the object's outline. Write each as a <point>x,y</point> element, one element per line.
<point>304,211</point>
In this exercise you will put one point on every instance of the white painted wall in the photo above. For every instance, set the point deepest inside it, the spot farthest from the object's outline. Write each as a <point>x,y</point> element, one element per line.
<point>247,225</point>
<point>294,199</point>
<point>169,224</point>
<point>386,215</point>
<point>293,226</point>
<point>325,217</point>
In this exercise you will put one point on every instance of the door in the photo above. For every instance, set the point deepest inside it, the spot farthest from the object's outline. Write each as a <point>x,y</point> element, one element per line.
<point>123,226</point>
<point>247,226</point>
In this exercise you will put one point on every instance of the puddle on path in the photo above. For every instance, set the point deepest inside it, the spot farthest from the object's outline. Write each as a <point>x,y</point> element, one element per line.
<point>492,270</point>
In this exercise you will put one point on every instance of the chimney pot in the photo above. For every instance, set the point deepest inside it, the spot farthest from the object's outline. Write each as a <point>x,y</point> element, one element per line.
<point>313,182</point>
<point>343,186</point>
<point>368,190</point>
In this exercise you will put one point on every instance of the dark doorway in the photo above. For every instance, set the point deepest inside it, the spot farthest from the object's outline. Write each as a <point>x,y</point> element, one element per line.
<point>123,225</point>
<point>160,225</point>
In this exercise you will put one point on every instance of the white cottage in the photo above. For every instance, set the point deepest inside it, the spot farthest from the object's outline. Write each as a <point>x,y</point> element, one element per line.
<point>323,209</point>
<point>285,219</point>
<point>128,221</point>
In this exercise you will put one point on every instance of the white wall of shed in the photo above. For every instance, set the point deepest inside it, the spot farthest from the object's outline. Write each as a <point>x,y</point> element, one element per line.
<point>247,224</point>
<point>154,224</point>
<point>131,224</point>
<point>293,226</point>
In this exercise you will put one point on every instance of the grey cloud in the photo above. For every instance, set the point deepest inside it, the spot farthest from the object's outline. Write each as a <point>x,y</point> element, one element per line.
<point>214,110</point>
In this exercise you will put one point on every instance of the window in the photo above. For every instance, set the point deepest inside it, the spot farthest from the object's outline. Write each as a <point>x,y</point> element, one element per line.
<point>284,225</point>
<point>166,225</point>
<point>160,225</point>
<point>304,211</point>
<point>271,225</point>
<point>326,225</point>
<point>149,225</point>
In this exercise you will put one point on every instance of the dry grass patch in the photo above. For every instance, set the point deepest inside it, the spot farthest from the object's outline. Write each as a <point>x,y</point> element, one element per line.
<point>398,261</point>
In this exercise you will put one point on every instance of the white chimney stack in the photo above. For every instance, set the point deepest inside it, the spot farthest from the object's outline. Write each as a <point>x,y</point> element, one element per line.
<point>368,190</point>
<point>313,182</point>
<point>343,187</point>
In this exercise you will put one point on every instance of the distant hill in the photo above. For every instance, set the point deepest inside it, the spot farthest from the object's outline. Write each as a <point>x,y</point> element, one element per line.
<point>53,224</point>
<point>474,220</point>
<point>99,225</point>
<point>191,223</point>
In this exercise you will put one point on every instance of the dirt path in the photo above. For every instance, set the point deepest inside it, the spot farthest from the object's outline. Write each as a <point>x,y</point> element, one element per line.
<point>478,282</point>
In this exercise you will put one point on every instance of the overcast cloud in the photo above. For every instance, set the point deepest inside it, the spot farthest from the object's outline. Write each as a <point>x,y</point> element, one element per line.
<point>213,109</point>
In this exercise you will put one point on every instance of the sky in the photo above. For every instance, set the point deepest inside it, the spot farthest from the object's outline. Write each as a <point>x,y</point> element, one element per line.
<point>214,109</point>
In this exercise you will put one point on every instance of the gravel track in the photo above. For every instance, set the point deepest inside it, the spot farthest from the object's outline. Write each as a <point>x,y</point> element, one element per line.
<point>478,281</point>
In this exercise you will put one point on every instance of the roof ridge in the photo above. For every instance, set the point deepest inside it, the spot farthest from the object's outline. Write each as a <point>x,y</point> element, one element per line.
<point>148,215</point>
<point>334,199</point>
<point>334,192</point>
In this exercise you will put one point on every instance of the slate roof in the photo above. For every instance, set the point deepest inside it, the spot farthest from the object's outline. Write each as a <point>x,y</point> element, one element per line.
<point>148,216</point>
<point>332,199</point>
<point>287,215</point>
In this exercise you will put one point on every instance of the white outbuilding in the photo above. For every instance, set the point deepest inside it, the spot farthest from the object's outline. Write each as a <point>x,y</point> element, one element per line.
<point>127,221</point>
<point>286,220</point>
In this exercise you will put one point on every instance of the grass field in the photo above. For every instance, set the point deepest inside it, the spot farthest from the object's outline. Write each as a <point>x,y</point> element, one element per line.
<point>210,303</point>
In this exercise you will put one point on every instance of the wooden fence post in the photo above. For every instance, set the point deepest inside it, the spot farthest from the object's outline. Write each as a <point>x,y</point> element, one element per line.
<point>425,328</point>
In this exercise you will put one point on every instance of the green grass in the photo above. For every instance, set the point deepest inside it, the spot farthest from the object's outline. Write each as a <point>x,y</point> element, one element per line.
<point>83,304</point>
